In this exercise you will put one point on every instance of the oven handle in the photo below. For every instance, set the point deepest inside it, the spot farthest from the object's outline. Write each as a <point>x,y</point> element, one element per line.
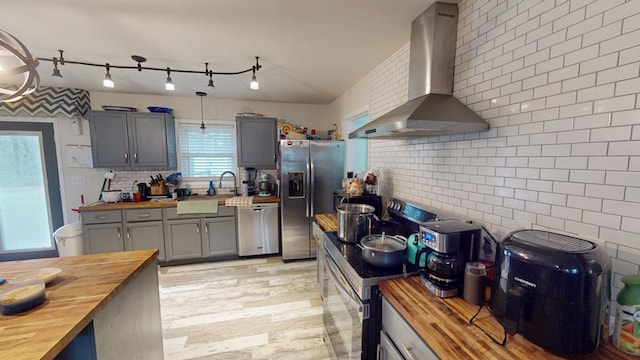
<point>347,295</point>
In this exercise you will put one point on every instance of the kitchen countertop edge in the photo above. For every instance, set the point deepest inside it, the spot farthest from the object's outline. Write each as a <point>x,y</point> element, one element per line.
<point>169,203</point>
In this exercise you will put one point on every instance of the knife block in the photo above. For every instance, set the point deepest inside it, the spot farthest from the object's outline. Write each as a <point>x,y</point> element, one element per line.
<point>160,189</point>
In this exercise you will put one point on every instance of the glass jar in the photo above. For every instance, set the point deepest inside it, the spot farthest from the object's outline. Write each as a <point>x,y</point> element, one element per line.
<point>626,334</point>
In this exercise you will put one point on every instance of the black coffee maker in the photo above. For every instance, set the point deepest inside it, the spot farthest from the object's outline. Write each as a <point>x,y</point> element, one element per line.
<point>449,245</point>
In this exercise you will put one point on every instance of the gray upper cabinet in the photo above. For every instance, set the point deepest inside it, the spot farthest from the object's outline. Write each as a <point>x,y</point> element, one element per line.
<point>132,140</point>
<point>257,140</point>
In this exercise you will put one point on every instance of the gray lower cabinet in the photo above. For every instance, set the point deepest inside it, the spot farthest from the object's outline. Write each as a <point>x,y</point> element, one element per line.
<point>398,340</point>
<point>196,236</point>
<point>220,236</point>
<point>183,240</point>
<point>144,230</point>
<point>102,231</point>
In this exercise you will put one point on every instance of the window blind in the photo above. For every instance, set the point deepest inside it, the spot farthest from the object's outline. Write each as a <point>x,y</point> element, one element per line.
<point>209,154</point>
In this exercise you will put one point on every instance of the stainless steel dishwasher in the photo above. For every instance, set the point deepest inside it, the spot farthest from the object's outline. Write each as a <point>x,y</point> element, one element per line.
<point>258,229</point>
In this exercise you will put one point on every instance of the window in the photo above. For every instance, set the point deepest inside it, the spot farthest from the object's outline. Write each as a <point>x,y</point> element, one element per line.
<point>357,149</point>
<point>30,201</point>
<point>206,155</point>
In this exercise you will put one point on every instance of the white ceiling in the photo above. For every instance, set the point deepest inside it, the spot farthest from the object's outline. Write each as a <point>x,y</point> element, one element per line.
<point>311,51</point>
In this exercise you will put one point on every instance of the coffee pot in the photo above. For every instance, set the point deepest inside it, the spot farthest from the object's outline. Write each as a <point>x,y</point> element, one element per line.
<point>143,189</point>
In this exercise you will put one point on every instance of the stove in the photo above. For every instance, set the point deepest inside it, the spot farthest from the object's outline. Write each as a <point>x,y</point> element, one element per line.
<point>352,306</point>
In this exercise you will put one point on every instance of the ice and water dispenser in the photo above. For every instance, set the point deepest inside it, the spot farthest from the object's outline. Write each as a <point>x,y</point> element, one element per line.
<point>296,184</point>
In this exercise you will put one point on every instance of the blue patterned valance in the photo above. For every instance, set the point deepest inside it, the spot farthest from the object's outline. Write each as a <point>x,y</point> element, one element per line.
<point>50,102</point>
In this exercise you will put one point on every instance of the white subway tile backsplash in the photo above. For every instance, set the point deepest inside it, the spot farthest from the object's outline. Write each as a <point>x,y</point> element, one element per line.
<point>631,224</point>
<point>556,150</point>
<point>586,203</point>
<point>595,93</point>
<point>625,178</point>
<point>556,13</point>
<point>562,99</point>
<point>602,33</point>
<point>536,207</point>
<point>605,191</point>
<point>528,173</point>
<point>581,229</point>
<point>620,163</point>
<point>533,105</point>
<point>536,33</point>
<point>568,188</point>
<point>537,57</point>
<point>597,64</point>
<point>601,6</point>
<point>576,136</point>
<point>628,87</point>
<point>550,65</point>
<point>631,148</point>
<point>623,72</point>
<point>632,194</point>
<point>634,164</point>
<point>554,174</point>
<point>581,109</point>
<point>614,104</point>
<point>568,213</point>
<point>573,162</point>
<point>625,10</point>
<point>584,27</point>
<point>620,237</point>
<point>601,219</point>
<point>618,133</point>
<point>582,55</point>
<point>552,198</point>
<point>586,149</point>
<point>524,73</point>
<point>629,55</point>
<point>539,185</point>
<point>592,121</point>
<point>566,72</point>
<point>587,176</point>
<point>621,42</point>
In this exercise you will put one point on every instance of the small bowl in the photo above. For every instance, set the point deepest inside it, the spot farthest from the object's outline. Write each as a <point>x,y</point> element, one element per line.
<point>158,109</point>
<point>20,297</point>
<point>111,196</point>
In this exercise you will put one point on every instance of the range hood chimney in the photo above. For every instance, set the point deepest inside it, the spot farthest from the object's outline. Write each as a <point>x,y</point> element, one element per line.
<point>431,109</point>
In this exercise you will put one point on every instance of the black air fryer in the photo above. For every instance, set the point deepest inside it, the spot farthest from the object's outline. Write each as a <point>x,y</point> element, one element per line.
<point>552,289</point>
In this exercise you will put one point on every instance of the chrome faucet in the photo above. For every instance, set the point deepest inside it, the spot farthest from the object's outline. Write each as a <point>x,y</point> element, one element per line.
<point>235,186</point>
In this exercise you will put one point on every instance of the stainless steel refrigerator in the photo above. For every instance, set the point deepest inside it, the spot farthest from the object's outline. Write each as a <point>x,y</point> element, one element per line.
<point>310,170</point>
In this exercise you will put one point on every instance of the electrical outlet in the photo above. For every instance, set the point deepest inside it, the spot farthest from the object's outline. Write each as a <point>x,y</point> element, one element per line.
<point>78,180</point>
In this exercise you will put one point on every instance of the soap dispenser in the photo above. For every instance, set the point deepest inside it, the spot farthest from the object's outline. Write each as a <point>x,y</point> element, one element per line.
<point>212,190</point>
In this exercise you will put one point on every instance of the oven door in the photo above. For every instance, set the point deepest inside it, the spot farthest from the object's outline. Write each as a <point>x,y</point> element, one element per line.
<point>343,314</point>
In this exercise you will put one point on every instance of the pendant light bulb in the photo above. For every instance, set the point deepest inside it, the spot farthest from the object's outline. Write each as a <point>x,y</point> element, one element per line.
<point>107,82</point>
<point>169,85</point>
<point>254,85</point>
<point>202,126</point>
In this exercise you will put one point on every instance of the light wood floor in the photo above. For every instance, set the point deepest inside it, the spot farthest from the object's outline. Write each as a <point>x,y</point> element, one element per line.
<point>258,308</point>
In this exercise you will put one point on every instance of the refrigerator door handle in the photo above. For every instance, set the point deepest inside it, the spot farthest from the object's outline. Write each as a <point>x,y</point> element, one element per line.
<point>312,184</point>
<point>308,187</point>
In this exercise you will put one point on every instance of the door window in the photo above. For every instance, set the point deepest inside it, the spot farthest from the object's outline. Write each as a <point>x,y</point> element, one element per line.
<point>30,202</point>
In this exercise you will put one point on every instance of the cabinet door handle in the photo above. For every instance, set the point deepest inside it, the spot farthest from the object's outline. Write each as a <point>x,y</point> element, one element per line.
<point>198,228</point>
<point>128,233</point>
<point>101,217</point>
<point>119,234</point>
<point>144,215</point>
<point>135,157</point>
<point>408,350</point>
<point>206,228</point>
<point>126,158</point>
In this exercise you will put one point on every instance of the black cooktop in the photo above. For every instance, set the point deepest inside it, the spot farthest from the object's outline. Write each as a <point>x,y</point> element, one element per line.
<point>353,254</point>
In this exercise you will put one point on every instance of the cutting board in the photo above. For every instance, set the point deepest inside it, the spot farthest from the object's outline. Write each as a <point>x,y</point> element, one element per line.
<point>328,222</point>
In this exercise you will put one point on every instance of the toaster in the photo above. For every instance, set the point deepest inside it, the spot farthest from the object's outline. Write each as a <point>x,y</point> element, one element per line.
<point>553,289</point>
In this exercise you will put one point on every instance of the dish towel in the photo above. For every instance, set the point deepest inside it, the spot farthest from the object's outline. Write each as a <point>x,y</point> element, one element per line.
<point>197,207</point>
<point>239,201</point>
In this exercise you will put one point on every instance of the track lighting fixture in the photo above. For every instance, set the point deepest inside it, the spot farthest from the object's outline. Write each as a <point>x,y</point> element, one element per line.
<point>169,85</point>
<point>107,82</point>
<point>202,94</point>
<point>140,60</point>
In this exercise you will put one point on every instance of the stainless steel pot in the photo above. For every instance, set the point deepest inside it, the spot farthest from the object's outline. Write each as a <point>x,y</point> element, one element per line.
<point>383,250</point>
<point>354,221</point>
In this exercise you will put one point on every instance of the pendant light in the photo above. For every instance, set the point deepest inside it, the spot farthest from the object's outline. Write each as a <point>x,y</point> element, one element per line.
<point>107,82</point>
<point>169,85</point>
<point>202,94</point>
<point>19,76</point>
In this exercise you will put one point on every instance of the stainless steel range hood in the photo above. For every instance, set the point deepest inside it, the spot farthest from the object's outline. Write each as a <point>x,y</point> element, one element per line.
<point>432,109</point>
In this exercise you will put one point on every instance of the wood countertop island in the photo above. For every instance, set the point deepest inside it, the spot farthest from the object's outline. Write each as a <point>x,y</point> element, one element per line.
<point>102,306</point>
<point>443,324</point>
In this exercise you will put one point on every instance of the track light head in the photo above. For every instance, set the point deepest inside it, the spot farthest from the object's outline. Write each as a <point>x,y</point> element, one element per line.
<point>107,82</point>
<point>169,85</point>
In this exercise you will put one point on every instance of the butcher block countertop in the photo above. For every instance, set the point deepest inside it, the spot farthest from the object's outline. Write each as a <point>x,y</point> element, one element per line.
<point>149,204</point>
<point>85,286</point>
<point>328,222</point>
<point>443,324</point>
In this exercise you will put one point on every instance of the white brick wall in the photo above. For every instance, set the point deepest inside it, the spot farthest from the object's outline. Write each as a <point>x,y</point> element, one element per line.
<point>559,83</point>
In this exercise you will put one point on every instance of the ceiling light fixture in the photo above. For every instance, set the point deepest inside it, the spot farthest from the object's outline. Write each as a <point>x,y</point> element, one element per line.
<point>107,82</point>
<point>169,85</point>
<point>56,72</point>
<point>18,76</point>
<point>202,94</point>
<point>140,60</point>
<point>254,85</point>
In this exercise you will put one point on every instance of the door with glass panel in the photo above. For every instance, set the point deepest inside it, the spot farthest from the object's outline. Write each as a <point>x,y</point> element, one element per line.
<point>30,201</point>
